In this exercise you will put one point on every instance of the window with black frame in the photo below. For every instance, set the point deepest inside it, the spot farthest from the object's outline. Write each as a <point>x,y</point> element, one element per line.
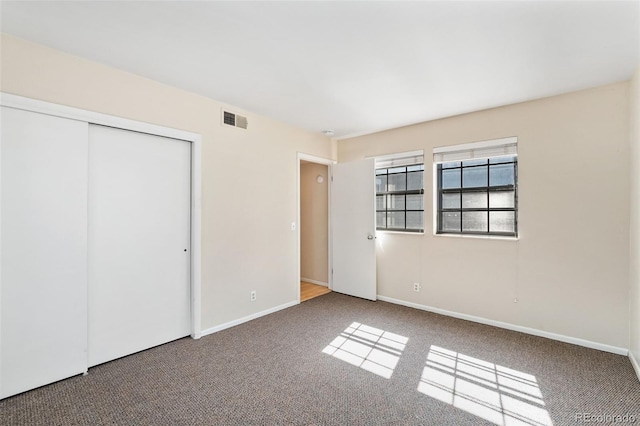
<point>478,196</point>
<point>400,198</point>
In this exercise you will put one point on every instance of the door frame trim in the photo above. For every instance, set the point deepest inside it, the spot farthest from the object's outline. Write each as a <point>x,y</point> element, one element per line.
<point>34,105</point>
<point>301,156</point>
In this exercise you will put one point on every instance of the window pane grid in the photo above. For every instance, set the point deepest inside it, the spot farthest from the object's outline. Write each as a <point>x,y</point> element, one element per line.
<point>478,197</point>
<point>399,202</point>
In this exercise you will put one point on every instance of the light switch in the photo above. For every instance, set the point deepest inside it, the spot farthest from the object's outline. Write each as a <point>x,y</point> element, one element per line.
<point>293,226</point>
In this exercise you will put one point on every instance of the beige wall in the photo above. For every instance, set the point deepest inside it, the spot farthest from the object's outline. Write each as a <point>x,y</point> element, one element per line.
<point>569,269</point>
<point>314,222</point>
<point>634,232</point>
<point>248,177</point>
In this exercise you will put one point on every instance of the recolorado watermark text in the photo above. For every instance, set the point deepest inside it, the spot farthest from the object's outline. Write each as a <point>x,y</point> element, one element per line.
<point>606,418</point>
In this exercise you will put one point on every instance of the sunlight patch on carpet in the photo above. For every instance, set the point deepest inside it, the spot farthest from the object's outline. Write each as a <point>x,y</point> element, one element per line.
<point>369,348</point>
<point>498,394</point>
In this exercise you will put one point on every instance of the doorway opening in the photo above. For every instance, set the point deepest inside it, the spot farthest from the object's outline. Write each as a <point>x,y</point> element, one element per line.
<point>313,219</point>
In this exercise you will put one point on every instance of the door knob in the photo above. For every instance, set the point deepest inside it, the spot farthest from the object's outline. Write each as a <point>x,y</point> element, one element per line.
<point>369,237</point>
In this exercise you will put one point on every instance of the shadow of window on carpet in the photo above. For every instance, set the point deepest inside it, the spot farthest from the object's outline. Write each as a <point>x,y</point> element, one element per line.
<point>369,348</point>
<point>498,394</point>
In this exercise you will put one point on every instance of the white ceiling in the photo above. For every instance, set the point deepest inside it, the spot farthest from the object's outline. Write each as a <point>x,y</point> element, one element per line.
<point>353,67</point>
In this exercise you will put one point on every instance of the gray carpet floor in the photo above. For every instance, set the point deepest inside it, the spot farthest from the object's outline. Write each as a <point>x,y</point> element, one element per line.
<point>339,360</point>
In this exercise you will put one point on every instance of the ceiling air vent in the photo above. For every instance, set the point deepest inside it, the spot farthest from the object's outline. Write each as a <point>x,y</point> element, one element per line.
<point>235,120</point>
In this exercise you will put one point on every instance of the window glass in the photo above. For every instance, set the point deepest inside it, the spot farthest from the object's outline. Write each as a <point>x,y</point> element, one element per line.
<point>498,199</point>
<point>474,177</point>
<point>395,202</point>
<point>475,221</point>
<point>475,162</point>
<point>498,160</point>
<point>502,174</point>
<point>451,201</point>
<point>381,219</point>
<point>478,196</point>
<point>415,180</point>
<point>415,202</point>
<point>415,220</point>
<point>395,220</point>
<point>400,198</point>
<point>397,182</point>
<point>450,178</point>
<point>474,200</point>
<point>502,221</point>
<point>451,221</point>
<point>451,165</point>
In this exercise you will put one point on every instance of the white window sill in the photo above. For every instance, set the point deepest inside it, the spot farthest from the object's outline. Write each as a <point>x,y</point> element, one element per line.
<point>480,237</point>
<point>398,232</point>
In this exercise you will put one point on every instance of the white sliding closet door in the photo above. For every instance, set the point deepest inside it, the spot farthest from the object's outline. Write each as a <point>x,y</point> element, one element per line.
<point>43,319</point>
<point>139,241</point>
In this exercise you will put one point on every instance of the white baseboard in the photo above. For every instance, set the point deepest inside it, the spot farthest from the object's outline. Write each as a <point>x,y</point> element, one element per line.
<point>500,324</point>
<point>634,362</point>
<point>247,318</point>
<point>310,281</point>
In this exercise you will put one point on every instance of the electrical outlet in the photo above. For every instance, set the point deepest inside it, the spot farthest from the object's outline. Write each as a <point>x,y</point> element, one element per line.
<point>416,287</point>
<point>253,296</point>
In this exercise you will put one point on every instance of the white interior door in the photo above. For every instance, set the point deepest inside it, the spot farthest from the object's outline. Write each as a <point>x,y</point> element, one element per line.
<point>43,318</point>
<point>353,228</point>
<point>139,241</point>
